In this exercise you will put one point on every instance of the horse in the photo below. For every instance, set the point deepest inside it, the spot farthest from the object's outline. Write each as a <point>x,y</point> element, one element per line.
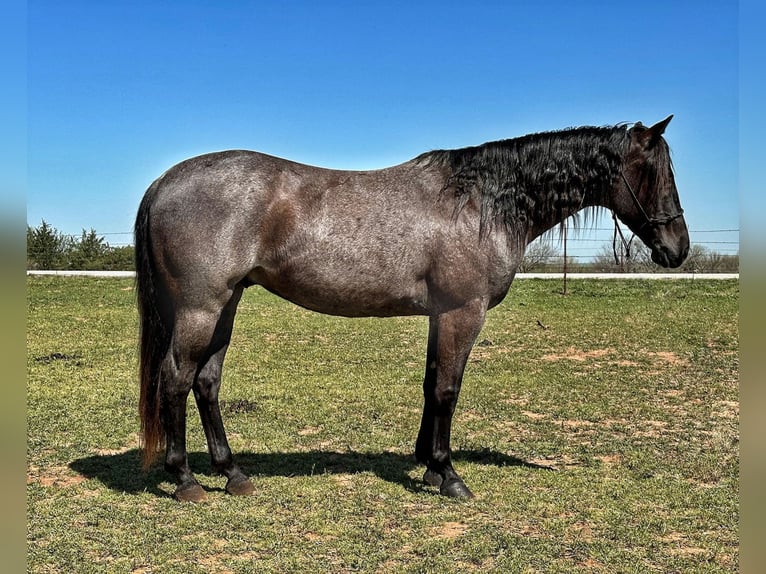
<point>440,235</point>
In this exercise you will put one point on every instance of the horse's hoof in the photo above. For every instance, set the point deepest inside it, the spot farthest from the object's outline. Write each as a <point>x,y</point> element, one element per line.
<point>240,486</point>
<point>190,493</point>
<point>455,488</point>
<point>432,478</point>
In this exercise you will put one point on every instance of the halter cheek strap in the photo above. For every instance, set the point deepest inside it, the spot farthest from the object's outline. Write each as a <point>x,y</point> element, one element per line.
<point>654,221</point>
<point>649,220</point>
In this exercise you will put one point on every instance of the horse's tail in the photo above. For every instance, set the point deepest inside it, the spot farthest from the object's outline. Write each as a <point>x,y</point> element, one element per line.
<point>155,327</point>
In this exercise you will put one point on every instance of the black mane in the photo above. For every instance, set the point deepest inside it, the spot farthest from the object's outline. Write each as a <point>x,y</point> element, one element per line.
<point>521,179</point>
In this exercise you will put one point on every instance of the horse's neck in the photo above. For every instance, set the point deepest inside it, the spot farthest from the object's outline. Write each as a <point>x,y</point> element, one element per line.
<point>556,211</point>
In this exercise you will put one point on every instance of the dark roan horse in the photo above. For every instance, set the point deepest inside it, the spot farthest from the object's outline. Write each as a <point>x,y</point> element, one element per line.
<point>440,235</point>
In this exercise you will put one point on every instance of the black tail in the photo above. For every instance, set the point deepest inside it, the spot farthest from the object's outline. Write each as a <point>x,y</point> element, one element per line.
<point>155,320</point>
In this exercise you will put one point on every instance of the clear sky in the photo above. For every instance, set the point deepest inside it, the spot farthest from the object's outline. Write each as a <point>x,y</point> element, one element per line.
<point>119,91</point>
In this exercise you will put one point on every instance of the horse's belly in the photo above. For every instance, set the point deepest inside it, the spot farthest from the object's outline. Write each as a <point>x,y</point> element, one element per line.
<point>347,292</point>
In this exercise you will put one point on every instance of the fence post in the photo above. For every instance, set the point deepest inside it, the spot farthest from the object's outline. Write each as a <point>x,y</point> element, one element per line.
<point>565,258</point>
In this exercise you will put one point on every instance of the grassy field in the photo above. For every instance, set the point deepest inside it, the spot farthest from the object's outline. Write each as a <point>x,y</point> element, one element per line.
<point>599,431</point>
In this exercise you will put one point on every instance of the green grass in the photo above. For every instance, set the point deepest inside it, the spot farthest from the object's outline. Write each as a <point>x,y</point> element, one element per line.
<point>605,441</point>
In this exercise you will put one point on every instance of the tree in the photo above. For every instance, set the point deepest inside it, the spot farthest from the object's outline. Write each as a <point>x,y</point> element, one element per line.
<point>46,247</point>
<point>89,252</point>
<point>700,260</point>
<point>640,260</point>
<point>537,256</point>
<point>703,260</point>
<point>636,259</point>
<point>119,259</point>
<point>49,249</point>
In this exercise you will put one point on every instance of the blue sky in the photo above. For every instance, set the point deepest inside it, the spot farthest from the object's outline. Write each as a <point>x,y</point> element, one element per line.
<point>117,92</point>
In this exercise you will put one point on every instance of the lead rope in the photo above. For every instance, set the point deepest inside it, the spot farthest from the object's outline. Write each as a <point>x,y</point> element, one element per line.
<point>625,243</point>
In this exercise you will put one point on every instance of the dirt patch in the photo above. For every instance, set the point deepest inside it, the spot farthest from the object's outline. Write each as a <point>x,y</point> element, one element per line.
<point>679,543</point>
<point>581,356</point>
<point>555,462</point>
<point>651,429</point>
<point>534,416</point>
<point>668,357</point>
<point>518,401</point>
<point>572,354</point>
<point>609,459</point>
<point>58,476</point>
<point>468,415</point>
<point>132,442</point>
<point>727,409</point>
<point>530,530</point>
<point>451,530</point>
<point>213,564</point>
<point>576,424</point>
<point>591,564</point>
<point>479,354</point>
<point>580,531</point>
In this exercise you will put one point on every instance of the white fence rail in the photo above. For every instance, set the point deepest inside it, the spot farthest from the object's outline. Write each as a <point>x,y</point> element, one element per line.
<point>558,275</point>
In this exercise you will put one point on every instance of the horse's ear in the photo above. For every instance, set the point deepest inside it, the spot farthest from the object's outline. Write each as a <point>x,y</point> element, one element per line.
<point>652,135</point>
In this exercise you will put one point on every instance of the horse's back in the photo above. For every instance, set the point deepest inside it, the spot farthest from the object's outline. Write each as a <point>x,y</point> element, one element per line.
<point>341,242</point>
<point>349,243</point>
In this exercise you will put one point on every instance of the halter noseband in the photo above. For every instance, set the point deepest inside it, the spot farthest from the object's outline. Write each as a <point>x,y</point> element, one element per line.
<point>653,221</point>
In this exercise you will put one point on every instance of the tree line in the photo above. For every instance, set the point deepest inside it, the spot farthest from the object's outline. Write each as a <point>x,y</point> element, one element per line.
<point>49,249</point>
<point>544,257</point>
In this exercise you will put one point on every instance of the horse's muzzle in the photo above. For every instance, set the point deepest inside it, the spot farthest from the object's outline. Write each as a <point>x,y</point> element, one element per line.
<point>666,257</point>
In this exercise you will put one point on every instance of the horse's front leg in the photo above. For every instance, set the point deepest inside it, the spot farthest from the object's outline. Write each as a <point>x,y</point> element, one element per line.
<point>450,339</point>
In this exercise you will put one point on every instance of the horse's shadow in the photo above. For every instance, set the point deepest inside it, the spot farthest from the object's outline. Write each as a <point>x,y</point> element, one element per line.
<point>122,472</point>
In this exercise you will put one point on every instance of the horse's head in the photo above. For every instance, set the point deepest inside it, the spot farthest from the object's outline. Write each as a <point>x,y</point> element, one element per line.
<point>646,199</point>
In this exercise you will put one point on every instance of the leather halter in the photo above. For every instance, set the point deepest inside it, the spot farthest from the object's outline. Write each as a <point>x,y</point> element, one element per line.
<point>653,221</point>
<point>649,220</point>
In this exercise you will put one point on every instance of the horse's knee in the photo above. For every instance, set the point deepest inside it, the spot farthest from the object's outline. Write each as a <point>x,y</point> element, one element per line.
<point>446,399</point>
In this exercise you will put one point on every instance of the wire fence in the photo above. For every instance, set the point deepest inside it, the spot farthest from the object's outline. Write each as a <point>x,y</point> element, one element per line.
<point>578,247</point>
<point>593,249</point>
<point>593,244</point>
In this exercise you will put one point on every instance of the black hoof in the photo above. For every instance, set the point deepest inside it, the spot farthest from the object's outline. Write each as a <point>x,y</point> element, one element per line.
<point>455,488</point>
<point>432,478</point>
<point>190,492</point>
<point>240,485</point>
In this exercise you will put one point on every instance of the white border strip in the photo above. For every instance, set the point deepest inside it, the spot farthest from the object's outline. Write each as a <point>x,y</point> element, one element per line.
<point>628,276</point>
<point>84,273</point>
<point>518,275</point>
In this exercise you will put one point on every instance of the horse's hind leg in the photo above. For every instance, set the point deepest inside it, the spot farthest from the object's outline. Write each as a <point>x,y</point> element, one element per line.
<point>206,388</point>
<point>189,345</point>
<point>200,335</point>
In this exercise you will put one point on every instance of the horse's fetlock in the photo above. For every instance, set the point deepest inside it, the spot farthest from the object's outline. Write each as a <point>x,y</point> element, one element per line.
<point>175,462</point>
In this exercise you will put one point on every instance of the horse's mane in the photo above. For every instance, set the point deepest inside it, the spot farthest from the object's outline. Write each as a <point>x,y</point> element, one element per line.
<point>534,176</point>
